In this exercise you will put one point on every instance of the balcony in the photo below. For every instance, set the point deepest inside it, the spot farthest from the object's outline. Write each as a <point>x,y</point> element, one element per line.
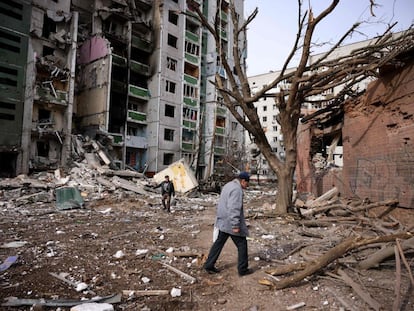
<point>138,92</point>
<point>220,111</point>
<point>192,37</point>
<point>224,16</point>
<point>190,124</point>
<point>136,142</point>
<point>118,139</point>
<point>220,130</point>
<point>187,146</point>
<point>223,34</point>
<point>191,101</point>
<point>144,4</point>
<point>141,44</point>
<point>136,116</point>
<point>119,60</point>
<point>50,95</point>
<point>190,79</point>
<point>192,58</point>
<point>139,68</point>
<point>219,150</point>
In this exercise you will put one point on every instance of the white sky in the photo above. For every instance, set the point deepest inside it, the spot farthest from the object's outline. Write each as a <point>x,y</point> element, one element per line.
<point>272,33</point>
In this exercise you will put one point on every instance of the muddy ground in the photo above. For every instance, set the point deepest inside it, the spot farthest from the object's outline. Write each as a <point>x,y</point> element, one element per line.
<point>117,246</point>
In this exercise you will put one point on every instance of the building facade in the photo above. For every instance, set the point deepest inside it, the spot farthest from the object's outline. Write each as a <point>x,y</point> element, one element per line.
<point>38,54</point>
<point>330,150</point>
<point>131,75</point>
<point>267,111</point>
<point>223,139</point>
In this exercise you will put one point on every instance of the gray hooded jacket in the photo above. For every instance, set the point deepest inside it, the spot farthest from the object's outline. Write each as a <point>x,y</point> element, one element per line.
<point>230,213</point>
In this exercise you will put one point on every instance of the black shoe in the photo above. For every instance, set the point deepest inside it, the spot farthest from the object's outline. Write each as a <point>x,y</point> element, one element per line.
<point>247,272</point>
<point>212,270</point>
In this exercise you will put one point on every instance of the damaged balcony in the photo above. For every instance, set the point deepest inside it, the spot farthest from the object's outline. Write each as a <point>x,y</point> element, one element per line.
<point>143,4</point>
<point>117,139</point>
<point>51,81</point>
<point>140,68</point>
<point>141,44</point>
<point>136,136</point>
<point>48,94</point>
<point>46,129</point>
<point>136,142</point>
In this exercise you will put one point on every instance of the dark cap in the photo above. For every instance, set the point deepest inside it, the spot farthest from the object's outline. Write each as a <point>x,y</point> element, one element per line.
<point>244,175</point>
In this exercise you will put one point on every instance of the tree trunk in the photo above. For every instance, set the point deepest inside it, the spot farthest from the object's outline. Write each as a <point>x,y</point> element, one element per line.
<point>284,191</point>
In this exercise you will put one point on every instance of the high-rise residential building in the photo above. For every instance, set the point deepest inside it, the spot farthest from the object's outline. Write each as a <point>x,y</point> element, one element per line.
<point>267,111</point>
<point>132,76</point>
<point>223,136</point>
<point>38,54</point>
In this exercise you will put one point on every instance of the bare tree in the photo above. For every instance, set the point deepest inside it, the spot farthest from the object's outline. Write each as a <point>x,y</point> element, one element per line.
<point>305,81</point>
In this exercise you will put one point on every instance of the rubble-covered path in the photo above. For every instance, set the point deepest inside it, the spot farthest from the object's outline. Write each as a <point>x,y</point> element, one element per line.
<point>124,251</point>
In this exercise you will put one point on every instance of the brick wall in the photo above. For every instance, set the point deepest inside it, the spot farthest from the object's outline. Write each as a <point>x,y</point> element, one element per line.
<point>378,140</point>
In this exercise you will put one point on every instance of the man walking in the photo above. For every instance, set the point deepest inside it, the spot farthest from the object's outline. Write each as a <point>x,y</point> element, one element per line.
<point>167,190</point>
<point>231,223</point>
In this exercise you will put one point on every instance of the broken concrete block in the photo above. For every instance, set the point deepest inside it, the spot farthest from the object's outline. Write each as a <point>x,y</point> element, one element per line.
<point>180,174</point>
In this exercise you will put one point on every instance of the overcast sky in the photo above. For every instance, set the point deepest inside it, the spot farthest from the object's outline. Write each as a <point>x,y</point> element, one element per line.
<point>272,33</point>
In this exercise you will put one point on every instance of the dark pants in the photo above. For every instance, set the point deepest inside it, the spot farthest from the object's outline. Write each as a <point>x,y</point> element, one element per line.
<point>216,248</point>
<point>166,201</point>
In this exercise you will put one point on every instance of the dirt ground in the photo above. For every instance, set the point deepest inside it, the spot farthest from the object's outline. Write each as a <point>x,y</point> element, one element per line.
<point>118,244</point>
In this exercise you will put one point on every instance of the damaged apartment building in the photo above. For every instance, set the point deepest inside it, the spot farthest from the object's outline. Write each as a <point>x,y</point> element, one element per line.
<point>38,53</point>
<point>132,75</point>
<point>363,147</point>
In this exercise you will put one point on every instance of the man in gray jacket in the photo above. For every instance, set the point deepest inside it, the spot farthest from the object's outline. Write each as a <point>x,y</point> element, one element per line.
<point>231,223</point>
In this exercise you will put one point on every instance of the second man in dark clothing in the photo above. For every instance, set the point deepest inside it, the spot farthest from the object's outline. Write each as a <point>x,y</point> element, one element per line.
<point>167,191</point>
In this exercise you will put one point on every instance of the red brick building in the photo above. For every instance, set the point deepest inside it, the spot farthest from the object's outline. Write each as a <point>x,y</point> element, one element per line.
<point>376,133</point>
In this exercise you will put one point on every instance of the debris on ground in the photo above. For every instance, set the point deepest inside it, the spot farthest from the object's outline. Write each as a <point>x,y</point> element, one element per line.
<point>119,248</point>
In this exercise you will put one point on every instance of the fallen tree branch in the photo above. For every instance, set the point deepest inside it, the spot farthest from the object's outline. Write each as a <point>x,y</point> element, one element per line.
<point>397,287</point>
<point>359,291</point>
<point>406,264</point>
<point>321,209</point>
<point>373,205</point>
<point>331,255</point>
<point>376,258</point>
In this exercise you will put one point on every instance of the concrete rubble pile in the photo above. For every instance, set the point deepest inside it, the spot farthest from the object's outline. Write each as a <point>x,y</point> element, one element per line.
<point>93,176</point>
